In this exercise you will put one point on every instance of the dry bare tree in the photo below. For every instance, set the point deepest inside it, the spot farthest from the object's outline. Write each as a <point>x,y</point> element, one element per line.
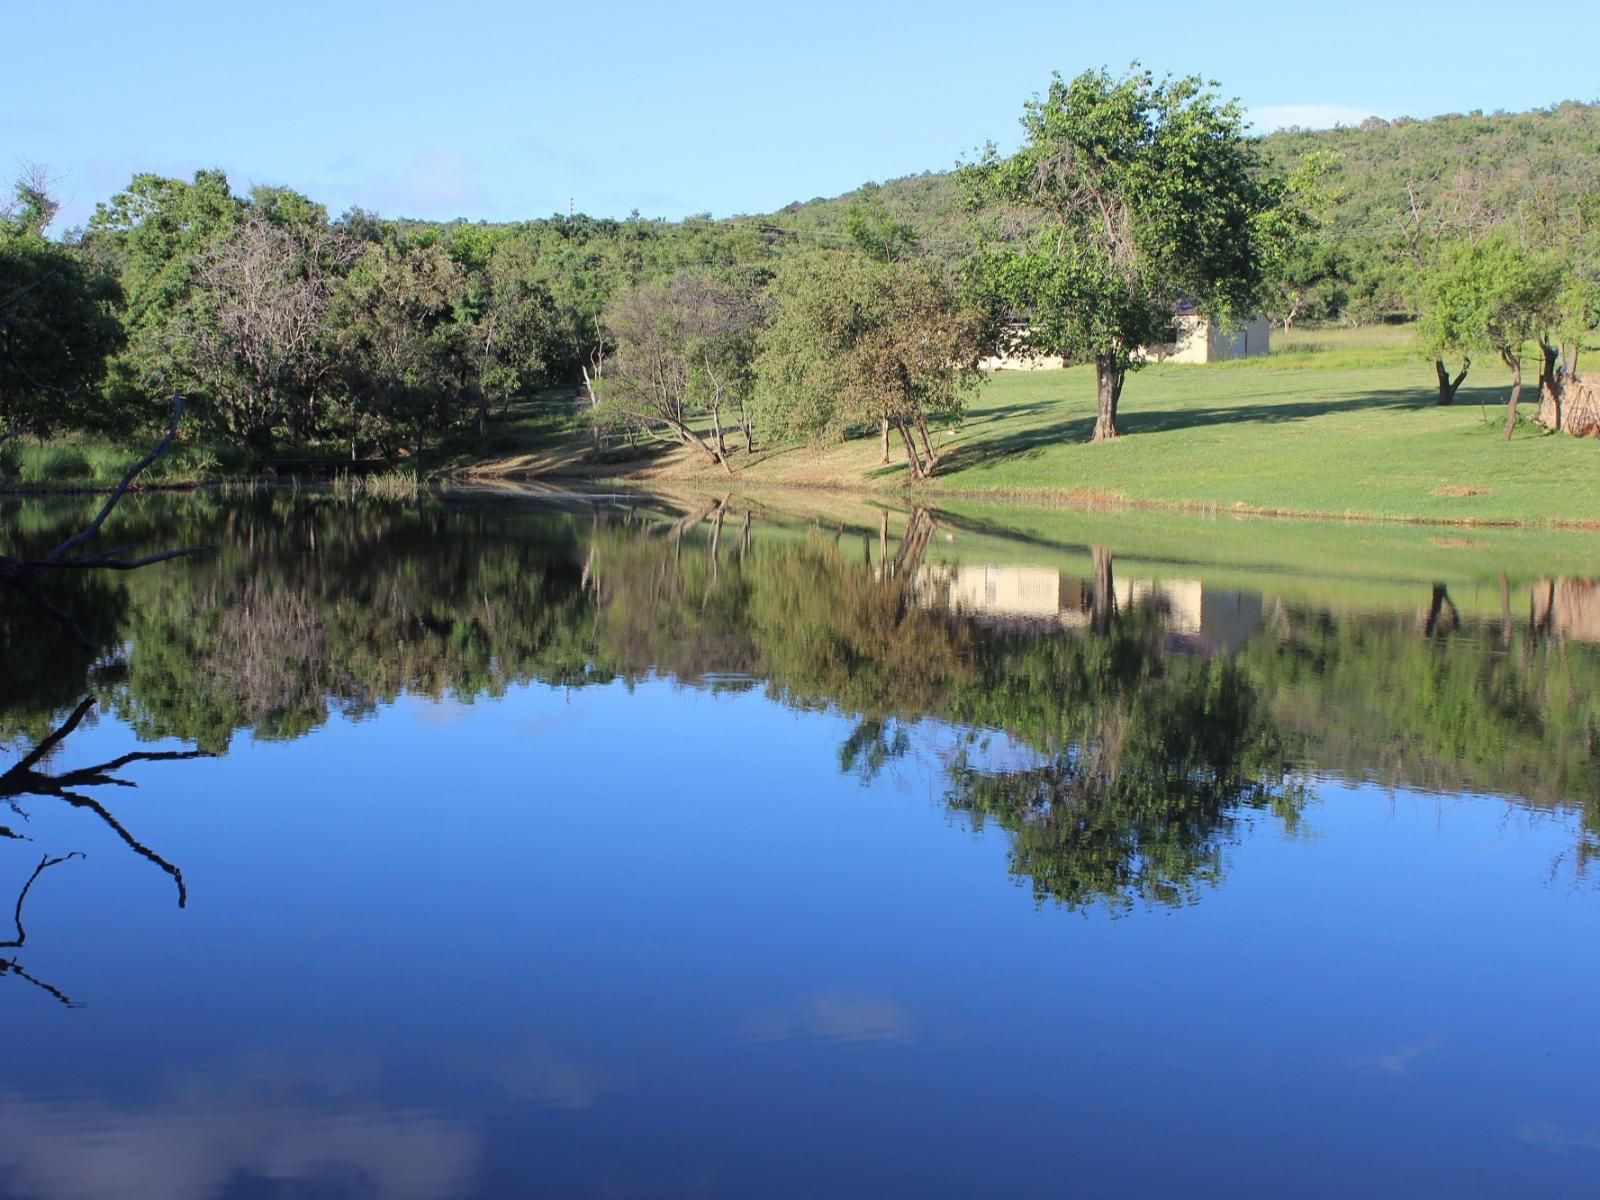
<point>262,353</point>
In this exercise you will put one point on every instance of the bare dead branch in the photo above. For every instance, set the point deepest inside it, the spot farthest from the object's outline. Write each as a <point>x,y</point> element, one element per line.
<point>109,562</point>
<point>10,966</point>
<point>93,527</point>
<point>133,843</point>
<point>49,743</point>
<point>25,780</point>
<point>44,863</point>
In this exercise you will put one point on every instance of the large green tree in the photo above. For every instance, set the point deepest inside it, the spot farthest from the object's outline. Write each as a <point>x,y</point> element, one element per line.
<point>403,351</point>
<point>58,321</point>
<point>158,235</point>
<point>1149,194</point>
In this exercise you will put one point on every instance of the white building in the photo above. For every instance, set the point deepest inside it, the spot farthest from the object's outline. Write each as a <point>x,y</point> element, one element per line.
<point>1196,339</point>
<point>1191,338</point>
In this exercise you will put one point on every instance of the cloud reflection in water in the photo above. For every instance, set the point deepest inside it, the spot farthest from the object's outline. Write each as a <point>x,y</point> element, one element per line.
<point>194,1148</point>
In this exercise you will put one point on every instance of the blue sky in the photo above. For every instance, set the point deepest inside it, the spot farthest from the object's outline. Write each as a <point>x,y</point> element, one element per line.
<point>499,110</point>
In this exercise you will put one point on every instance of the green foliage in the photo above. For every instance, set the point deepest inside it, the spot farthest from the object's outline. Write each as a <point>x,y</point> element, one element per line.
<point>1316,226</point>
<point>402,351</point>
<point>684,351</point>
<point>1305,273</point>
<point>879,234</point>
<point>157,235</point>
<point>1461,170</point>
<point>853,341</point>
<point>1148,195</point>
<point>1491,295</point>
<point>58,323</point>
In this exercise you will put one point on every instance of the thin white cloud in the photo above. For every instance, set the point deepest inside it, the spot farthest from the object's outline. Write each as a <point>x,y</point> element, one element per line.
<point>440,183</point>
<point>832,1017</point>
<point>1264,118</point>
<point>191,1148</point>
<point>546,1077</point>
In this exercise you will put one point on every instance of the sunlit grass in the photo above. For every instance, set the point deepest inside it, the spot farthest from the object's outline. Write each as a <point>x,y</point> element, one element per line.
<point>1341,423</point>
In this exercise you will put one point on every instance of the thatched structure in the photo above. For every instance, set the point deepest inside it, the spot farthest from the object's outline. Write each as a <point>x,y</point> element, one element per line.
<point>1575,409</point>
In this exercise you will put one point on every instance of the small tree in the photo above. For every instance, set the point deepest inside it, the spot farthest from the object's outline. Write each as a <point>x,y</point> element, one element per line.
<point>856,342</point>
<point>1304,270</point>
<point>1491,295</point>
<point>683,351</point>
<point>512,319</point>
<point>1150,193</point>
<point>1432,220</point>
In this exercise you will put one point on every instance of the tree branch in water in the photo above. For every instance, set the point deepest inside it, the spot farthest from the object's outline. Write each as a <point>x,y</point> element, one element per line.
<point>23,575</point>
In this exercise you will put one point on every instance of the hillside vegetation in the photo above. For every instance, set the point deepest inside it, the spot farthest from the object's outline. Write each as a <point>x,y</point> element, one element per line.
<point>299,335</point>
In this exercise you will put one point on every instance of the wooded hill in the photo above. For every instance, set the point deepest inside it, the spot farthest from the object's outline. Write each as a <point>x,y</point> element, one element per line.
<point>1502,165</point>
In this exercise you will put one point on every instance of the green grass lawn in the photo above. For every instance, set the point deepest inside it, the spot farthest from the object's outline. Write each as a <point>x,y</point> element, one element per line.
<point>1333,422</point>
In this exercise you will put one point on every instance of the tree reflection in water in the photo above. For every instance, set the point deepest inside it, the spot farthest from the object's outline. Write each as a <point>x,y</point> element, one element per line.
<point>1138,758</point>
<point>1156,714</point>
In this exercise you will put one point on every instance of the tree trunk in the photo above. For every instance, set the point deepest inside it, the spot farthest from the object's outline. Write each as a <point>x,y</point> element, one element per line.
<point>716,425</point>
<point>1103,600</point>
<point>1442,615</point>
<point>689,437</point>
<point>1505,611</point>
<point>1550,380</point>
<point>1109,375</point>
<point>927,443</point>
<point>1449,387</point>
<point>1515,363</point>
<point>1548,356</point>
<point>883,439</point>
<point>912,460</point>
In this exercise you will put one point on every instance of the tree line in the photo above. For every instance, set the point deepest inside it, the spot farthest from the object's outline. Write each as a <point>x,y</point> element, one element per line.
<point>1130,196</point>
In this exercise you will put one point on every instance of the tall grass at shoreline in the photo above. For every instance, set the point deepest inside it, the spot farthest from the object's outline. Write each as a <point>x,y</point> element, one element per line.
<point>72,464</point>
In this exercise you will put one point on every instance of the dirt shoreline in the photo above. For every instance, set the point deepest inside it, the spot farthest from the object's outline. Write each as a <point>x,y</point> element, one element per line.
<point>1044,498</point>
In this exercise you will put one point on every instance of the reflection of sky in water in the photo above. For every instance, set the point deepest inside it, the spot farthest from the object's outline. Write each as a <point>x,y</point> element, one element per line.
<point>655,942</point>
<point>194,1145</point>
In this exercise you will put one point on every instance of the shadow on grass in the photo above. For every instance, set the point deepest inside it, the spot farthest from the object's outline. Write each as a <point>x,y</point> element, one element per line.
<point>1134,421</point>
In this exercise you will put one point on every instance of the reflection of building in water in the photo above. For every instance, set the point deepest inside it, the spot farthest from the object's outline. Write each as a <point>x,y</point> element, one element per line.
<point>1042,598</point>
<point>1568,608</point>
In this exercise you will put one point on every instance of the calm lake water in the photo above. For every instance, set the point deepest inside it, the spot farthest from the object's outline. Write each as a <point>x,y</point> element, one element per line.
<point>485,847</point>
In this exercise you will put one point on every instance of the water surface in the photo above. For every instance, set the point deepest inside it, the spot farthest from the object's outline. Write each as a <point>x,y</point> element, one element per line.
<point>480,847</point>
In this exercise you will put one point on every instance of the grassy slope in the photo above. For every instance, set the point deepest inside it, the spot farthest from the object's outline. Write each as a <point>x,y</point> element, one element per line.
<point>1339,423</point>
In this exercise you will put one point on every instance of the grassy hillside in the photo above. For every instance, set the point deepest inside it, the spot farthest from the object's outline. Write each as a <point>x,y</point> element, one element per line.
<point>1339,423</point>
